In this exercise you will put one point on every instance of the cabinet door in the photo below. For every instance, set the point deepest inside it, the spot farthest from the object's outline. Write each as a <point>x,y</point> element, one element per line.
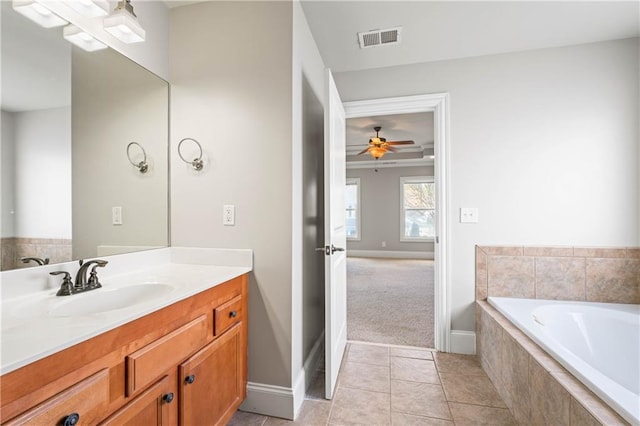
<point>151,407</point>
<point>212,380</point>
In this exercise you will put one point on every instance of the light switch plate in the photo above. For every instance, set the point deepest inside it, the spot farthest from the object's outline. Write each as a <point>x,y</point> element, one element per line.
<point>468,215</point>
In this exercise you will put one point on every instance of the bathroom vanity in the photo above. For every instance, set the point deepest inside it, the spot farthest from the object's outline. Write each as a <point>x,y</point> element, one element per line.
<point>179,358</point>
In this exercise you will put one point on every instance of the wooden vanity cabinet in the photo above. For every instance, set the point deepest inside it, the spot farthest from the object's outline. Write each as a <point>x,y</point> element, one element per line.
<point>183,364</point>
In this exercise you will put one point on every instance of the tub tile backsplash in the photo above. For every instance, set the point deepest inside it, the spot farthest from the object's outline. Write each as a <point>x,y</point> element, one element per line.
<point>512,276</point>
<point>548,251</point>
<point>613,280</point>
<point>560,278</point>
<point>599,252</point>
<point>561,273</point>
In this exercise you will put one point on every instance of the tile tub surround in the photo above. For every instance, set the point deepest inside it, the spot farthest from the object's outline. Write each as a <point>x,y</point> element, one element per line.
<point>533,385</point>
<point>535,388</point>
<point>559,273</point>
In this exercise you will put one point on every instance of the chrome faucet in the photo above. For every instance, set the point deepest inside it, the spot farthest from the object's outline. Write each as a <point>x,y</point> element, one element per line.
<point>37,260</point>
<point>82,282</point>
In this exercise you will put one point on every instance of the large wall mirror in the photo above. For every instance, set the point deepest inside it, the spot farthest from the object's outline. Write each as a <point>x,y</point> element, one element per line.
<point>69,189</point>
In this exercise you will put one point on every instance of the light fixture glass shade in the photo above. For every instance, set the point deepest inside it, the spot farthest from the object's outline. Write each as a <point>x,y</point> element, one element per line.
<point>38,13</point>
<point>82,39</point>
<point>89,8</point>
<point>377,152</point>
<point>123,24</point>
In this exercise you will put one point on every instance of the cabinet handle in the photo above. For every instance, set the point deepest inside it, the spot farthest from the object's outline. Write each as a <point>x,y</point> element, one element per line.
<point>71,420</point>
<point>233,314</point>
<point>190,379</point>
<point>168,397</point>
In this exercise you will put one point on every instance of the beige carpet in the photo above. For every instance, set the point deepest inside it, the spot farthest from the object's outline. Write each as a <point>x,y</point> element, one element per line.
<point>390,301</point>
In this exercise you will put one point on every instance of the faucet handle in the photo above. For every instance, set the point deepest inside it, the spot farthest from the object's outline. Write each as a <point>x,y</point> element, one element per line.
<point>93,281</point>
<point>66,288</point>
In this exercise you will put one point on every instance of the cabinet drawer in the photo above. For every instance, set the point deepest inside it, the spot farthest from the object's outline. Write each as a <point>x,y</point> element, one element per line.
<point>87,399</point>
<point>226,315</point>
<point>147,364</point>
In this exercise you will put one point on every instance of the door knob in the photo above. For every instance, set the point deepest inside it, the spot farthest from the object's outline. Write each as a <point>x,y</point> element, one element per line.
<point>335,249</point>
<point>329,250</point>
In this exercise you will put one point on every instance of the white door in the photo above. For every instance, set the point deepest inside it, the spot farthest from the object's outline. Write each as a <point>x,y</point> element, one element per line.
<point>335,239</point>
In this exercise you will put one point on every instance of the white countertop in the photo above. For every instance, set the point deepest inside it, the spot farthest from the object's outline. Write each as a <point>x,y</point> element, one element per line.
<point>34,325</point>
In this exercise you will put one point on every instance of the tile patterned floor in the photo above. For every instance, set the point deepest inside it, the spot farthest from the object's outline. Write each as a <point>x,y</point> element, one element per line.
<point>382,385</point>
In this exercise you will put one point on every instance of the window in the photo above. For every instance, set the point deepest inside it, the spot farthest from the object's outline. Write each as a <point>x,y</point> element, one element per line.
<point>352,208</point>
<point>417,204</point>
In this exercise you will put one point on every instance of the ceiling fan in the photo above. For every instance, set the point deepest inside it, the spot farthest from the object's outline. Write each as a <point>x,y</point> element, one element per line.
<point>379,146</point>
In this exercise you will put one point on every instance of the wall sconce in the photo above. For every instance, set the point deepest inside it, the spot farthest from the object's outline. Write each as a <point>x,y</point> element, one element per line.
<point>38,13</point>
<point>142,166</point>
<point>197,163</point>
<point>82,39</point>
<point>123,23</point>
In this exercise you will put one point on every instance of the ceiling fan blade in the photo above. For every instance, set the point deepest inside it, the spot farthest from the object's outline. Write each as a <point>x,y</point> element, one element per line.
<point>400,143</point>
<point>390,149</point>
<point>363,151</point>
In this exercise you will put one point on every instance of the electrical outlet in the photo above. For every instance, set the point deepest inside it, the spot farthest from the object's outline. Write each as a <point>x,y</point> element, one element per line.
<point>116,215</point>
<point>228,215</point>
<point>383,244</point>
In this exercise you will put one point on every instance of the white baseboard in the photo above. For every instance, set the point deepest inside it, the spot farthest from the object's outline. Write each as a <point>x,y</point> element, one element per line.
<point>462,342</point>
<point>279,401</point>
<point>269,400</point>
<point>391,254</point>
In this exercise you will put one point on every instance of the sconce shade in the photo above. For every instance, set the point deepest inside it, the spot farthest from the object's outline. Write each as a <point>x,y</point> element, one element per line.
<point>123,24</point>
<point>90,8</point>
<point>38,13</point>
<point>82,39</point>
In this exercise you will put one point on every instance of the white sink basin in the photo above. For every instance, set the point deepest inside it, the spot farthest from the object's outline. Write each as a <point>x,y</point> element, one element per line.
<point>104,299</point>
<point>109,299</point>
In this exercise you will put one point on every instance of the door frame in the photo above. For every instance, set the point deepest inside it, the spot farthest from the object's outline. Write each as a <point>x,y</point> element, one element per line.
<point>437,103</point>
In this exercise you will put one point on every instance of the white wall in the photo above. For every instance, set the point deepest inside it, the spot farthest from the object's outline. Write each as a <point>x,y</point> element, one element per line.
<point>380,209</point>
<point>231,90</point>
<point>42,173</point>
<point>543,142</point>
<point>153,15</point>
<point>7,177</point>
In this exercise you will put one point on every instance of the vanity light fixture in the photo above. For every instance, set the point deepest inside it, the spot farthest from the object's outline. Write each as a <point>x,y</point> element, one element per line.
<point>38,13</point>
<point>82,39</point>
<point>123,23</point>
<point>90,8</point>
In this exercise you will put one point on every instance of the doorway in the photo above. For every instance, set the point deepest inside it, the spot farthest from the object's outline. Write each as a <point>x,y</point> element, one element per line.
<point>390,208</point>
<point>436,104</point>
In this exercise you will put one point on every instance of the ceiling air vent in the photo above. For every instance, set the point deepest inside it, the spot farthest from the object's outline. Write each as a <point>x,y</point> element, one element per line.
<point>379,37</point>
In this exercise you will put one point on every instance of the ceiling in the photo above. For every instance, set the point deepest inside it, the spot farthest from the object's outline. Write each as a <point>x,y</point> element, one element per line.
<point>440,30</point>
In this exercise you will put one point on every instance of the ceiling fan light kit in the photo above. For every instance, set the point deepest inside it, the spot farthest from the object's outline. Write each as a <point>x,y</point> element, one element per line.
<point>379,146</point>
